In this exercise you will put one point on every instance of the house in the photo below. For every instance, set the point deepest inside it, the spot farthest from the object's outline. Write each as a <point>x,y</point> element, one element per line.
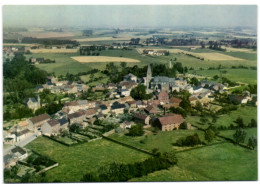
<point>130,77</point>
<point>125,92</point>
<point>21,135</point>
<point>151,109</point>
<point>22,126</point>
<point>125,99</point>
<point>10,160</point>
<point>239,99</point>
<point>168,123</point>
<point>70,89</point>
<point>19,152</point>
<point>39,88</point>
<point>111,86</point>
<point>126,124</point>
<point>142,118</point>
<point>37,121</point>
<point>140,104</point>
<point>104,109</point>
<point>77,117</point>
<point>64,123</point>
<point>163,97</point>
<point>132,104</point>
<point>32,103</point>
<point>90,113</point>
<point>193,100</point>
<point>175,101</point>
<point>51,127</point>
<point>153,102</point>
<point>117,108</point>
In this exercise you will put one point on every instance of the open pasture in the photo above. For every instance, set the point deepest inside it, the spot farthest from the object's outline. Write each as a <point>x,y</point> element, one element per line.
<point>218,162</point>
<point>77,160</point>
<point>103,59</point>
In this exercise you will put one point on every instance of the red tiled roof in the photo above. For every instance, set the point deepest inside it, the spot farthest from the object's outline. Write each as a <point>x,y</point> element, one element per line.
<point>175,100</point>
<point>71,104</point>
<point>131,102</point>
<point>173,119</point>
<point>90,112</point>
<point>162,94</point>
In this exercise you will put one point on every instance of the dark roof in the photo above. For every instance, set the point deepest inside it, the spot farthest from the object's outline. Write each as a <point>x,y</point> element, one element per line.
<point>141,116</point>
<point>117,105</point>
<point>18,149</point>
<point>39,118</point>
<point>32,99</point>
<point>103,107</point>
<point>76,114</point>
<point>22,132</point>
<point>53,122</point>
<point>63,121</point>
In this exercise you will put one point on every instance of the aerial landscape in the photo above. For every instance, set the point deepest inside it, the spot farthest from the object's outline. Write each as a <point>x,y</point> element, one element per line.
<point>102,93</point>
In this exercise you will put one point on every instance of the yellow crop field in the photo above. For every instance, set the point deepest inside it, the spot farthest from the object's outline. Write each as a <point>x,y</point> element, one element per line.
<point>101,59</point>
<point>230,49</point>
<point>53,50</point>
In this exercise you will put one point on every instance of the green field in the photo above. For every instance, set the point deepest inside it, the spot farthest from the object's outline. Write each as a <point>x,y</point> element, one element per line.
<point>213,163</point>
<point>162,140</point>
<point>65,64</point>
<point>247,113</point>
<point>76,161</point>
<point>237,75</point>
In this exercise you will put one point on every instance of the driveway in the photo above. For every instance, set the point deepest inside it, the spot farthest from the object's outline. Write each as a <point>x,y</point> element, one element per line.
<point>22,143</point>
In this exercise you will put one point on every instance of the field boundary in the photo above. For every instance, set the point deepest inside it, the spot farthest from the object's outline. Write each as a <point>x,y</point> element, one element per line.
<point>129,146</point>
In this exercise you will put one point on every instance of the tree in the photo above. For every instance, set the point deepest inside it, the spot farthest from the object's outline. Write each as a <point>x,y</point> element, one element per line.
<point>183,125</point>
<point>136,130</point>
<point>194,81</point>
<point>209,135</point>
<point>240,122</point>
<point>215,77</point>
<point>198,106</point>
<point>123,64</point>
<point>239,136</point>
<point>253,123</point>
<point>252,142</point>
<point>139,93</point>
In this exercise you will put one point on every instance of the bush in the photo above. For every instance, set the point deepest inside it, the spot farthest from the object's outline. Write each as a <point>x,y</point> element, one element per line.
<point>136,130</point>
<point>190,140</point>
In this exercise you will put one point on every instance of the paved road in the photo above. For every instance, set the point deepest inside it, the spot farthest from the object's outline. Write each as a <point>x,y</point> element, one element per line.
<point>22,143</point>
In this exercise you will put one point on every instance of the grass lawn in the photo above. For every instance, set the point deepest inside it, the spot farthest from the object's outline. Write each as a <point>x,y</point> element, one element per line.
<point>215,163</point>
<point>76,161</point>
<point>162,140</point>
<point>248,76</point>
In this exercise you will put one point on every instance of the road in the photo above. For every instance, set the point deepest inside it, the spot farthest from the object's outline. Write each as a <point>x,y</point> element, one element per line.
<point>22,143</point>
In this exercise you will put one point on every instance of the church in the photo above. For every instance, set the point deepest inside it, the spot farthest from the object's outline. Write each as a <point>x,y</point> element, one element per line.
<point>162,83</point>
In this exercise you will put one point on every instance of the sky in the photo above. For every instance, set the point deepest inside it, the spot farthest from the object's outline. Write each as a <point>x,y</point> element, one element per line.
<point>96,16</point>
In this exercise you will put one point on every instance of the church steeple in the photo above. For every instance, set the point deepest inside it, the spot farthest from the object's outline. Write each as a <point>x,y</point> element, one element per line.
<point>148,76</point>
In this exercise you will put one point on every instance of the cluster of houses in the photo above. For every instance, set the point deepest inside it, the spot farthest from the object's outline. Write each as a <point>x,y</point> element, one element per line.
<point>9,52</point>
<point>156,52</point>
<point>56,86</point>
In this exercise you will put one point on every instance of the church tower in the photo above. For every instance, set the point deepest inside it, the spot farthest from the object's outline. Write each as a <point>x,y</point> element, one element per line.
<point>170,64</point>
<point>148,76</point>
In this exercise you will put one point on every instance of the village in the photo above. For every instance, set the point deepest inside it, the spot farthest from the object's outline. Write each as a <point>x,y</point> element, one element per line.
<point>85,120</point>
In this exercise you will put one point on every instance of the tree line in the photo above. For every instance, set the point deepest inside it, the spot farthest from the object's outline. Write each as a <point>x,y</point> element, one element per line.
<point>116,172</point>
